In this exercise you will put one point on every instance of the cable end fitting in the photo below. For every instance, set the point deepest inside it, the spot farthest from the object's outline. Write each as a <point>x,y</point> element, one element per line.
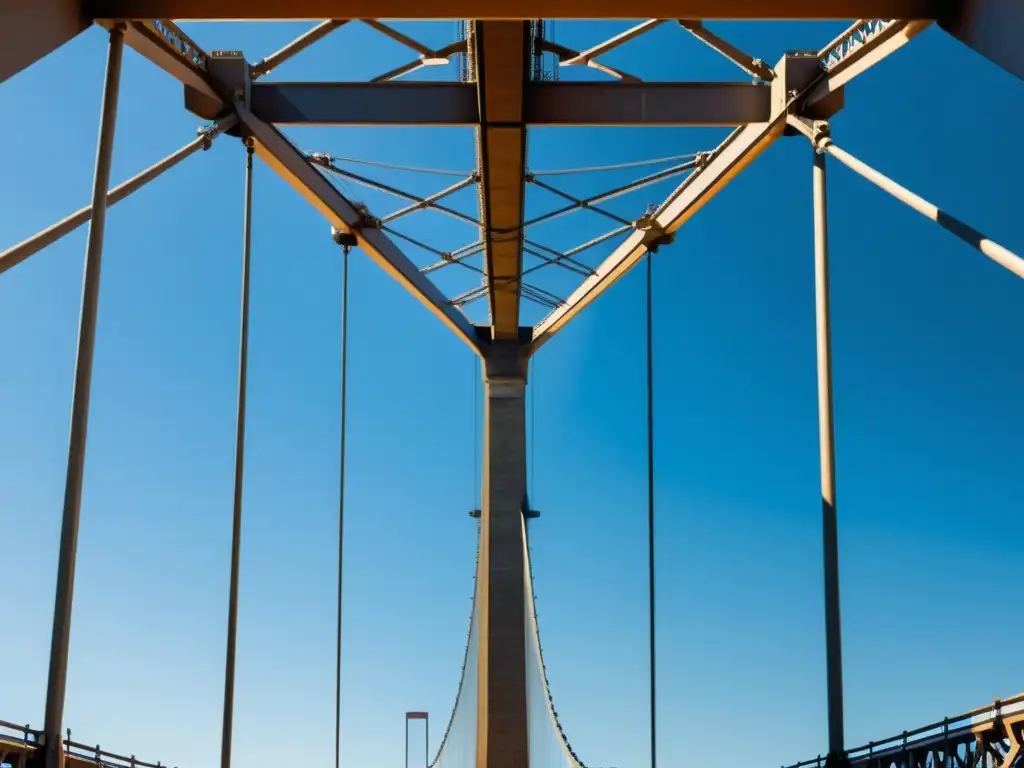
<point>821,135</point>
<point>655,235</point>
<point>343,238</point>
<point>205,132</point>
<point>320,158</point>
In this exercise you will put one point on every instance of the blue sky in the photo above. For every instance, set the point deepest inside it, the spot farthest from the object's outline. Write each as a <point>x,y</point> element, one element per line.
<point>928,416</point>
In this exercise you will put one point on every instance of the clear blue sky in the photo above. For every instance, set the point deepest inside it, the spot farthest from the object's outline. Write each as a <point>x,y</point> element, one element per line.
<point>928,374</point>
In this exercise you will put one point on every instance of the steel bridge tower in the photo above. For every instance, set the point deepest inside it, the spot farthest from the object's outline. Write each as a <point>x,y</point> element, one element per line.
<point>501,92</point>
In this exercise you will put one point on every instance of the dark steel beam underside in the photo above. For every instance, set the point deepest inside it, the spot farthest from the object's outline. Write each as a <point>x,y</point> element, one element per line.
<point>994,28</point>
<point>545,104</point>
<point>30,29</point>
<point>501,56</point>
<point>315,10</point>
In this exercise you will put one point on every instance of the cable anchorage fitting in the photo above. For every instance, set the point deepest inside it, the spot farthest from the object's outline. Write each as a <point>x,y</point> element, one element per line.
<point>320,158</point>
<point>821,135</point>
<point>655,235</point>
<point>347,240</point>
<point>205,132</point>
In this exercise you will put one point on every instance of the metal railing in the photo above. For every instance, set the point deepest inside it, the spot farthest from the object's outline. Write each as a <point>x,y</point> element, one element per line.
<point>926,734</point>
<point>31,739</point>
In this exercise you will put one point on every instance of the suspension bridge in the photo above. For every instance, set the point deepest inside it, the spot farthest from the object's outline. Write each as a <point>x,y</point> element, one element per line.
<point>506,81</point>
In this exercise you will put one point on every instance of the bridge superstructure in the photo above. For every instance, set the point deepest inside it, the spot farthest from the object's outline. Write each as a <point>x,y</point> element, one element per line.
<point>503,682</point>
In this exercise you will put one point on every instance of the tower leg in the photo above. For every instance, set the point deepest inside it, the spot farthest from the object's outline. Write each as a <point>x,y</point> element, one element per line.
<point>502,740</point>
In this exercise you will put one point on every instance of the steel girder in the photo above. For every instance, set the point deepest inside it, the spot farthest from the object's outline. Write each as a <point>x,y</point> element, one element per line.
<point>504,107</point>
<point>545,104</point>
<point>520,9</point>
<point>500,52</point>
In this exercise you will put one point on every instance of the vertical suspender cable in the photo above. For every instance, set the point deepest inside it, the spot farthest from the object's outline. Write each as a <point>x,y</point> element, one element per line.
<point>532,394</point>
<point>341,502</point>
<point>477,460</point>
<point>236,528</point>
<point>650,513</point>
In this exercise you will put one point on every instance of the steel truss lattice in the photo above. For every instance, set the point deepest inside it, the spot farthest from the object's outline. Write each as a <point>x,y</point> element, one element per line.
<point>503,86</point>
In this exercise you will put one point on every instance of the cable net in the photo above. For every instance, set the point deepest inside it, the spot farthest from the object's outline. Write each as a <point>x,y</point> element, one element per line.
<point>458,747</point>
<point>548,746</point>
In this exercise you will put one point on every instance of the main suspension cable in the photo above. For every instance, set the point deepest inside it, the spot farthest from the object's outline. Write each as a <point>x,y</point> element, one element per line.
<point>650,514</point>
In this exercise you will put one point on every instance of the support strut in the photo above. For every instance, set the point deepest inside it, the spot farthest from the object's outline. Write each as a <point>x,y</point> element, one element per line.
<point>818,133</point>
<point>18,253</point>
<point>60,639</point>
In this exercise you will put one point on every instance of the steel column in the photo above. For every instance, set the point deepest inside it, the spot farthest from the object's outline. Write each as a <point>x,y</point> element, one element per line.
<point>236,526</point>
<point>826,441</point>
<point>502,729</point>
<point>60,639</point>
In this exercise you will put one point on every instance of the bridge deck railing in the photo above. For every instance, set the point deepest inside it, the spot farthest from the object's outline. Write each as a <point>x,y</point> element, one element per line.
<point>30,739</point>
<point>951,729</point>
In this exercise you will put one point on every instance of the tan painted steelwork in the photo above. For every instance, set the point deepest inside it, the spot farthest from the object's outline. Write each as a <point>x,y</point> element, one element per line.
<point>499,51</point>
<point>315,10</point>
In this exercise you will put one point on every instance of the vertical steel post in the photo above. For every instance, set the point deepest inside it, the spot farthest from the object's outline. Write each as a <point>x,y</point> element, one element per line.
<point>407,741</point>
<point>236,527</point>
<point>826,440</point>
<point>426,741</point>
<point>56,685</point>
<point>502,717</point>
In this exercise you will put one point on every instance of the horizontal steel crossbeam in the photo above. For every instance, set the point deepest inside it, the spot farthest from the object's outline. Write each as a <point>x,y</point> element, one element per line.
<point>315,10</point>
<point>546,104</point>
